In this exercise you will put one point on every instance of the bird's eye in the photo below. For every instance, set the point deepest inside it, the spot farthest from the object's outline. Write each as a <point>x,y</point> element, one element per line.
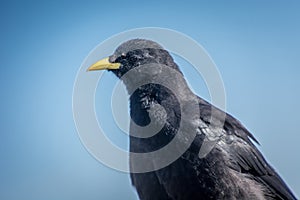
<point>123,55</point>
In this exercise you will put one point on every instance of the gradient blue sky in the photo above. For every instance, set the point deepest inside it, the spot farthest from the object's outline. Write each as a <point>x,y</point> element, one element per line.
<point>255,45</point>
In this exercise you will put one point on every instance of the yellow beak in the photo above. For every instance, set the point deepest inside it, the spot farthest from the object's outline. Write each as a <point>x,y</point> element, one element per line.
<point>104,64</point>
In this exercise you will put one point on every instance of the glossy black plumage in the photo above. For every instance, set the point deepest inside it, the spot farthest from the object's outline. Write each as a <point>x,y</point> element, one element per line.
<point>234,169</point>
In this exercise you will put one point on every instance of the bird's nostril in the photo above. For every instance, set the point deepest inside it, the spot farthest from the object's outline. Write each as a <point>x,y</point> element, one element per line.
<point>112,58</point>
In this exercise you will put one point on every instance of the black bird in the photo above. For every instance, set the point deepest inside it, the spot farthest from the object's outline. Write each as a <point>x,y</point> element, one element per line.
<point>233,167</point>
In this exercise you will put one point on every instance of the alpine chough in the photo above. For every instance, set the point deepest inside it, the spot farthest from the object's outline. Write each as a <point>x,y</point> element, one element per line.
<point>233,169</point>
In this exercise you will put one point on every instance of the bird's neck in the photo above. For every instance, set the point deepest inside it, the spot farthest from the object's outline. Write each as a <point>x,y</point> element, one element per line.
<point>152,125</point>
<point>166,88</point>
<point>143,99</point>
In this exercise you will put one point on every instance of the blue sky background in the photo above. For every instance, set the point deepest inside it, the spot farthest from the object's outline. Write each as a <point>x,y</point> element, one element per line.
<point>255,45</point>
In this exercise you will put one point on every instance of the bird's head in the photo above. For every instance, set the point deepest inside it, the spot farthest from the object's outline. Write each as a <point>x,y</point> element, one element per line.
<point>134,53</point>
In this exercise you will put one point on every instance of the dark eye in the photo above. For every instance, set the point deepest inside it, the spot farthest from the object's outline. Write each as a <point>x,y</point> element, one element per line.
<point>123,55</point>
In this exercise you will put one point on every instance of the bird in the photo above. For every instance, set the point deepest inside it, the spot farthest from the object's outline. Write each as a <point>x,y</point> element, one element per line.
<point>233,168</point>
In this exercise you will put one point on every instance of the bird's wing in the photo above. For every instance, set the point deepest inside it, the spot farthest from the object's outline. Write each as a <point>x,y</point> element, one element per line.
<point>245,157</point>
